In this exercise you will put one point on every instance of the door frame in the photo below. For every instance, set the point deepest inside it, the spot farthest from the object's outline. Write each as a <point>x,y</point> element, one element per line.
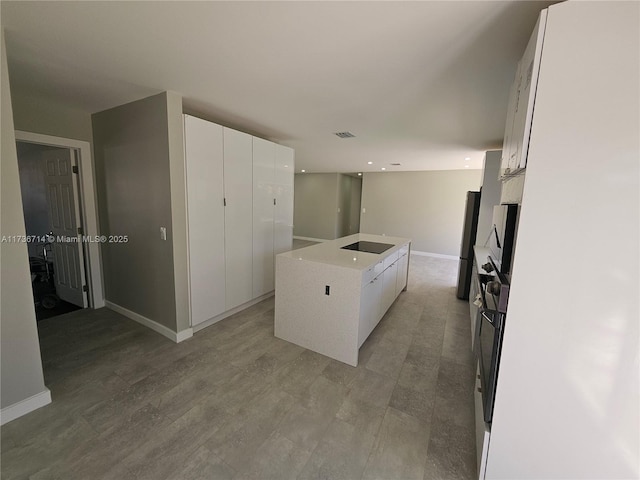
<point>87,202</point>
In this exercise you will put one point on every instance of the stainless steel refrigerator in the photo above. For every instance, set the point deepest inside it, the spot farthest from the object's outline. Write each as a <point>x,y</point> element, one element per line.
<point>468,241</point>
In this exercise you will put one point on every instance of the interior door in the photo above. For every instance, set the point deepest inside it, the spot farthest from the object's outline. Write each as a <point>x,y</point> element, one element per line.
<point>64,217</point>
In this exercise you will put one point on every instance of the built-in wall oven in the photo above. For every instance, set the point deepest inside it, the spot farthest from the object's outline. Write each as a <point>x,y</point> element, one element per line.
<point>493,288</point>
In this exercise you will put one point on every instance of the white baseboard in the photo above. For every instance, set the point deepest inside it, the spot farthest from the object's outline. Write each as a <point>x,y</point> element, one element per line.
<point>25,406</point>
<point>153,325</point>
<point>222,316</point>
<point>311,239</point>
<point>436,255</point>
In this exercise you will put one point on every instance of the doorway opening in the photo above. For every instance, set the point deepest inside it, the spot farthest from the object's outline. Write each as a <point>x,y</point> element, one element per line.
<point>56,180</point>
<point>53,225</point>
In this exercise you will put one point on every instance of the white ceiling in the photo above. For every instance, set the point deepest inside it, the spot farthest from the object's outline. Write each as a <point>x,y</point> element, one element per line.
<point>424,84</point>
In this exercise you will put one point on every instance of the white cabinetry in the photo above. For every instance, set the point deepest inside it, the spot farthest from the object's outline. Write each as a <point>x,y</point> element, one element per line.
<point>521,103</point>
<point>272,210</point>
<point>370,304</point>
<point>329,299</point>
<point>389,279</point>
<point>283,190</point>
<point>403,269</point>
<point>240,213</point>
<point>238,224</point>
<point>205,197</point>
<point>381,285</point>
<point>264,157</point>
<point>566,404</point>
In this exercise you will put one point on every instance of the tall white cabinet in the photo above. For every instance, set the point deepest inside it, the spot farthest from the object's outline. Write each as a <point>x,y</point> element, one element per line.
<point>568,390</point>
<point>264,159</point>
<point>283,190</point>
<point>240,213</point>
<point>238,223</point>
<point>272,210</point>
<point>205,200</point>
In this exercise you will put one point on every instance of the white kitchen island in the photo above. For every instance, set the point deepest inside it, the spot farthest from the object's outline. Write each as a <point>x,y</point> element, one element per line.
<point>329,299</point>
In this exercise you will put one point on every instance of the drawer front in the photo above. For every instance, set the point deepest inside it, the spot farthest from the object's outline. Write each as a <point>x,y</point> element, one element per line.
<point>403,250</point>
<point>372,272</point>
<point>390,259</point>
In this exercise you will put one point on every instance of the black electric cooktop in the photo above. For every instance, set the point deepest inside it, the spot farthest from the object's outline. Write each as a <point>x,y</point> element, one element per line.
<point>369,247</point>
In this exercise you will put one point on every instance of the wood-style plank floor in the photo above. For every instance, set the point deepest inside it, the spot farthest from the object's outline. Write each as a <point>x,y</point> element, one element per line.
<point>234,402</point>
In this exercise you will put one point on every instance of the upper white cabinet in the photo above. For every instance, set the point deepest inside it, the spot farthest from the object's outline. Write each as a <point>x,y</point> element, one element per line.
<point>240,212</point>
<point>521,104</point>
<point>205,200</point>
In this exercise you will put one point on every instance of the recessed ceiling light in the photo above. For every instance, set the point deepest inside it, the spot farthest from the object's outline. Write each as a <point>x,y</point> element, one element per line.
<point>383,168</point>
<point>369,163</point>
<point>303,171</point>
<point>286,166</point>
<point>466,166</point>
<point>359,174</point>
<point>466,159</point>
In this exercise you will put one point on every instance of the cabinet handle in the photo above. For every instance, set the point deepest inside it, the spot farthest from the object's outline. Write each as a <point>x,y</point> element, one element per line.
<point>487,318</point>
<point>224,202</point>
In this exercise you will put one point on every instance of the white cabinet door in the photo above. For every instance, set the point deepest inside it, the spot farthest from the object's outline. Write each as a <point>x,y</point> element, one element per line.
<point>205,196</point>
<point>389,278</point>
<point>505,165</point>
<point>238,216</point>
<point>369,308</point>
<point>283,229</point>
<point>403,267</point>
<point>264,154</point>
<point>527,82</point>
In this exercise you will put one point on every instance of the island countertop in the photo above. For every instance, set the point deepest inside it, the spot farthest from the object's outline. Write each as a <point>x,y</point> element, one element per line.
<point>329,299</point>
<point>332,253</point>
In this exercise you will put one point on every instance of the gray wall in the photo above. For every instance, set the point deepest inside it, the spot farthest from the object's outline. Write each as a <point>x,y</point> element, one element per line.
<point>39,115</point>
<point>427,207</point>
<point>344,205</point>
<point>21,365</point>
<point>315,205</point>
<point>175,124</point>
<point>326,205</point>
<point>356,199</point>
<point>349,192</point>
<point>132,157</point>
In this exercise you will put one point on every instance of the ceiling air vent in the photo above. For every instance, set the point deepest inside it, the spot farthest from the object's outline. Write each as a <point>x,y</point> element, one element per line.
<point>345,134</point>
<point>395,164</point>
